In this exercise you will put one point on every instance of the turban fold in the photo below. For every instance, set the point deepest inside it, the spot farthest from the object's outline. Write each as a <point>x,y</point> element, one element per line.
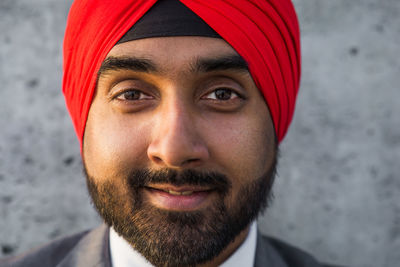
<point>264,32</point>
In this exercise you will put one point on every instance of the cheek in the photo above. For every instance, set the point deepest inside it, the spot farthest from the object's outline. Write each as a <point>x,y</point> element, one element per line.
<point>244,146</point>
<point>112,144</point>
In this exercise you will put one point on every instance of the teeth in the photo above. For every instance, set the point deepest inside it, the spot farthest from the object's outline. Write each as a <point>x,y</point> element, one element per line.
<point>175,193</point>
<point>186,193</point>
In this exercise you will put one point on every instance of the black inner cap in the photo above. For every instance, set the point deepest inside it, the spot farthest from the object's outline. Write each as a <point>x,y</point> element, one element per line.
<point>168,18</point>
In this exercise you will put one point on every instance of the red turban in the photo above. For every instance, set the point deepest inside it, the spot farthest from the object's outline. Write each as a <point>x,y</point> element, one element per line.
<point>264,32</point>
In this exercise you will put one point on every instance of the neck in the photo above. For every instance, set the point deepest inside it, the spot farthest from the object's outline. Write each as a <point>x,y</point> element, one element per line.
<point>229,250</point>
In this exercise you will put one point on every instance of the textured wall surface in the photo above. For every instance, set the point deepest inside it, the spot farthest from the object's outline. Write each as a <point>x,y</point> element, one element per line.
<point>338,190</point>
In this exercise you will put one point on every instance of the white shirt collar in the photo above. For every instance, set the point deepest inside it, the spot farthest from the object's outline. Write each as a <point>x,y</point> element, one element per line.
<point>123,255</point>
<point>245,254</point>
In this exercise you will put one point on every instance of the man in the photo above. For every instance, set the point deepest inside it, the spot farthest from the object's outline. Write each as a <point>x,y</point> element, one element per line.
<point>179,107</point>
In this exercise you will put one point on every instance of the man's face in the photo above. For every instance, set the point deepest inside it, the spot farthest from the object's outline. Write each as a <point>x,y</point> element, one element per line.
<point>179,147</point>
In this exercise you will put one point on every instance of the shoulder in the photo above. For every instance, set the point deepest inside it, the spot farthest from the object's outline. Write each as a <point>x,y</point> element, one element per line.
<point>48,255</point>
<point>286,254</point>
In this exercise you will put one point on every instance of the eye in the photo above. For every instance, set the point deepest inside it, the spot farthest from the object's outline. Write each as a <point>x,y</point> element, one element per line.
<point>132,95</point>
<point>222,94</point>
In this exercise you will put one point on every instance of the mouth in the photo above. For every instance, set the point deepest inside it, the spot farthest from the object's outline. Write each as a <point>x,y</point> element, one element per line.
<point>179,198</point>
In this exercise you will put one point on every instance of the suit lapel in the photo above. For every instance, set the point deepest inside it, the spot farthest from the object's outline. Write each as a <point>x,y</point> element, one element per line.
<point>266,255</point>
<point>91,251</point>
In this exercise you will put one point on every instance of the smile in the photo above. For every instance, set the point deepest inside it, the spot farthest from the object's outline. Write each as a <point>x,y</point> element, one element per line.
<point>176,193</point>
<point>184,198</point>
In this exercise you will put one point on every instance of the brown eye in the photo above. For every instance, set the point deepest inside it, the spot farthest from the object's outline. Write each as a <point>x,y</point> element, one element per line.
<point>222,94</point>
<point>133,95</point>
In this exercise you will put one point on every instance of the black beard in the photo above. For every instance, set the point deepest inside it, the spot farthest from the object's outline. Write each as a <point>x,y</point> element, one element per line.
<point>172,238</point>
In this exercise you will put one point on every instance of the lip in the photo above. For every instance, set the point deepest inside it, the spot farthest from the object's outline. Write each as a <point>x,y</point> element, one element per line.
<point>178,198</point>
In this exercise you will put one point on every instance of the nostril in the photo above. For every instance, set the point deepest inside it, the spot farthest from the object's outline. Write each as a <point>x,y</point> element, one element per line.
<point>157,159</point>
<point>176,152</point>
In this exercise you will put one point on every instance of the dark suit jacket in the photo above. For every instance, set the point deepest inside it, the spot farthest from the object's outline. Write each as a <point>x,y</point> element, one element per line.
<point>91,249</point>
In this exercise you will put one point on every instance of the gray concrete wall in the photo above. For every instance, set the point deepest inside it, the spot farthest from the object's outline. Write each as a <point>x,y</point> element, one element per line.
<point>338,190</point>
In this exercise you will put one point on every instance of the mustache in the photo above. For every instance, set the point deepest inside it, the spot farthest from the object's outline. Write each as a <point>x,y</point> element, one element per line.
<point>143,177</point>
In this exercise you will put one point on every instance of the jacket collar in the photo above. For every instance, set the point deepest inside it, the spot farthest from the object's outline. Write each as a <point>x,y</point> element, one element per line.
<point>91,251</point>
<point>266,255</point>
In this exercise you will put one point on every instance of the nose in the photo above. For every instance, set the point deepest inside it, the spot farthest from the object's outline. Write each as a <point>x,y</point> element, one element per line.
<point>176,140</point>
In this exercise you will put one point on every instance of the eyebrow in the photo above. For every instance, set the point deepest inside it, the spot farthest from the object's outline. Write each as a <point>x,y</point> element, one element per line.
<point>127,63</point>
<point>225,62</point>
<point>139,64</point>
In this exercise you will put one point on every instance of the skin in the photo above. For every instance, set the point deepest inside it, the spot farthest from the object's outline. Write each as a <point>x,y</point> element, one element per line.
<point>175,119</point>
